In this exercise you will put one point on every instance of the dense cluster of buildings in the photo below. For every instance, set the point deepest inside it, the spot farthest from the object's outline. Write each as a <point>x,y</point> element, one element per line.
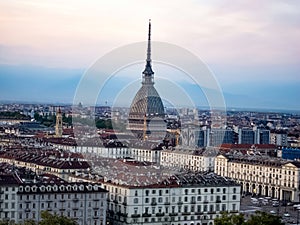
<point>185,168</point>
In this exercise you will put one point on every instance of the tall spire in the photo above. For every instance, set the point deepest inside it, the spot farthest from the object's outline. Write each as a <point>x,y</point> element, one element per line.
<point>148,69</point>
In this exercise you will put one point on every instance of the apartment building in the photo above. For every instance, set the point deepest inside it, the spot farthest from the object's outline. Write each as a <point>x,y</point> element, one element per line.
<point>262,175</point>
<point>194,160</point>
<point>189,198</point>
<point>84,202</point>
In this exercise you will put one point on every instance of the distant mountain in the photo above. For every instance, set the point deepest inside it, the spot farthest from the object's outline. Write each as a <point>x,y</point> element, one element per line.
<point>40,84</point>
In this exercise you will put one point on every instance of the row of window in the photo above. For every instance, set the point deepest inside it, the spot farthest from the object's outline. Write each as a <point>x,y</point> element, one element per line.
<point>185,199</point>
<point>63,196</point>
<point>186,191</point>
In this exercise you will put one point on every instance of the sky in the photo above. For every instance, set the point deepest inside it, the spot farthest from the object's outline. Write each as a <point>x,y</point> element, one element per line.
<point>252,47</point>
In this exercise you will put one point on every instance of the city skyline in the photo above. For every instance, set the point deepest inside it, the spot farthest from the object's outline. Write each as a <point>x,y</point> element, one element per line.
<point>250,47</point>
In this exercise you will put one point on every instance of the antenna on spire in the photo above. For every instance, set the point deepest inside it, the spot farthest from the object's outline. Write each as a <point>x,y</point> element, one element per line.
<point>149,43</point>
<point>148,69</point>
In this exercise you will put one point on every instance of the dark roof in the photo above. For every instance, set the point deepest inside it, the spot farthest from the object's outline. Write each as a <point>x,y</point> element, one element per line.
<point>9,179</point>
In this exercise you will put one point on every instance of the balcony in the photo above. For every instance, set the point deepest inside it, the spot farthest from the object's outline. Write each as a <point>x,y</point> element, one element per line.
<point>27,210</point>
<point>167,203</point>
<point>153,203</point>
<point>211,212</point>
<point>135,215</point>
<point>185,213</point>
<point>124,203</point>
<point>111,212</point>
<point>146,215</point>
<point>179,203</point>
<point>198,213</point>
<point>218,201</point>
<point>173,214</point>
<point>75,200</point>
<point>234,211</point>
<point>122,214</point>
<point>193,202</point>
<point>159,214</point>
<point>205,202</point>
<point>115,201</point>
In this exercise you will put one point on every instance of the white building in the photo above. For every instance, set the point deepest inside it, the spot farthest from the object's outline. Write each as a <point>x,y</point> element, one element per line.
<point>190,198</point>
<point>86,203</point>
<point>262,175</point>
<point>195,160</point>
<point>279,139</point>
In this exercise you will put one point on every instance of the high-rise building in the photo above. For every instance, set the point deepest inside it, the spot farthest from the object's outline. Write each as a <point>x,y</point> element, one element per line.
<point>246,136</point>
<point>262,136</point>
<point>203,137</point>
<point>253,136</point>
<point>146,115</point>
<point>279,138</point>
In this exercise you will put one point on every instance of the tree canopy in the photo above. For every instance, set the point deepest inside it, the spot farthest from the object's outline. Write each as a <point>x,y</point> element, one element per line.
<point>47,219</point>
<point>259,218</point>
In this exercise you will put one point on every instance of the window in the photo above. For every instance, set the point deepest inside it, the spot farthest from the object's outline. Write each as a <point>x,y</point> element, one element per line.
<point>233,207</point>
<point>136,193</point>
<point>234,190</point>
<point>223,207</point>
<point>146,200</point>
<point>233,197</point>
<point>185,208</point>
<point>224,190</point>
<point>135,200</point>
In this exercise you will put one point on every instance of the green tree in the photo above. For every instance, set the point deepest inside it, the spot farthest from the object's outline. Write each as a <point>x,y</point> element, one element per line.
<point>29,222</point>
<point>230,219</point>
<point>259,218</point>
<point>49,219</point>
<point>263,218</point>
<point>6,222</point>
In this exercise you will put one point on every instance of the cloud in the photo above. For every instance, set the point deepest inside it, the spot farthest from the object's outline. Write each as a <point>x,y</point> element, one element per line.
<point>74,35</point>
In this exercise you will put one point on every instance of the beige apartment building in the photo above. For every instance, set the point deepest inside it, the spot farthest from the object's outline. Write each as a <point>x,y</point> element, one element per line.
<point>262,175</point>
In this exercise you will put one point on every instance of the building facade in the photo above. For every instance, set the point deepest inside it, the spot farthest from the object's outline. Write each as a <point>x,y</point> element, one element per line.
<point>86,203</point>
<point>180,200</point>
<point>193,160</point>
<point>267,176</point>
